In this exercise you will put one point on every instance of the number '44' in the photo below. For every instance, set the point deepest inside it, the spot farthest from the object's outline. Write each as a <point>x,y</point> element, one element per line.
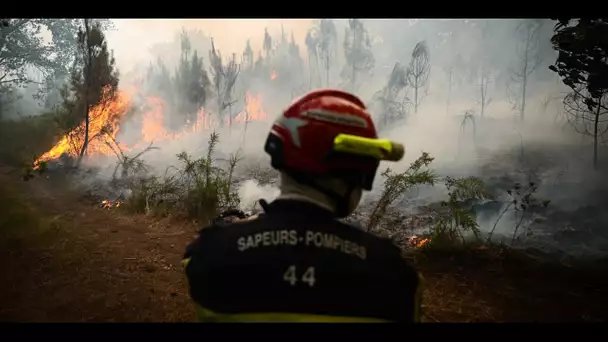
<point>291,276</point>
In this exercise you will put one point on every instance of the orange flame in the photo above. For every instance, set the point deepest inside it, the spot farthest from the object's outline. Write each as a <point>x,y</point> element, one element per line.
<point>105,119</point>
<point>153,125</point>
<point>106,204</point>
<point>417,241</point>
<point>253,110</point>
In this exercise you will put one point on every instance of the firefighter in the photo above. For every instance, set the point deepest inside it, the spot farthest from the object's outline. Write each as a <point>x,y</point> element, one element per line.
<point>297,262</point>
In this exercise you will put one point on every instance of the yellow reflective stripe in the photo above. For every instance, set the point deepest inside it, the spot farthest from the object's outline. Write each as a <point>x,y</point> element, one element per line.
<point>382,149</point>
<point>418,299</point>
<point>185,262</point>
<point>206,315</point>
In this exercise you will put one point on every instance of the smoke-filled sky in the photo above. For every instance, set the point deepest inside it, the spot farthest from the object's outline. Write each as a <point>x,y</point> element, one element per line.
<point>132,38</point>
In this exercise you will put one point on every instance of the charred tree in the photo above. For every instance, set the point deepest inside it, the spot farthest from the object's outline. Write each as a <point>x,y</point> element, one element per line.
<point>327,45</point>
<point>267,43</point>
<point>528,60</point>
<point>391,108</point>
<point>192,86</point>
<point>224,78</point>
<point>358,53</point>
<point>248,56</point>
<point>312,45</point>
<point>418,73</point>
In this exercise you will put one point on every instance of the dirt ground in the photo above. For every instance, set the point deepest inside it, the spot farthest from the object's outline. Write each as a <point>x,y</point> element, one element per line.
<point>64,259</point>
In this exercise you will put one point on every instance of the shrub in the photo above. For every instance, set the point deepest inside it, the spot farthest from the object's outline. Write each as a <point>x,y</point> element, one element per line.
<point>395,186</point>
<point>450,227</point>
<point>199,188</point>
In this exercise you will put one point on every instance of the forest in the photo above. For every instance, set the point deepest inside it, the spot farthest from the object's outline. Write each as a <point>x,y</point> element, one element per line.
<point>504,123</point>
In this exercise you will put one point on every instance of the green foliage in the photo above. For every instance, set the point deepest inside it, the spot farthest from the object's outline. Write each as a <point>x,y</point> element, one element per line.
<point>21,140</point>
<point>395,185</point>
<point>199,188</point>
<point>21,223</point>
<point>582,47</point>
<point>22,46</point>
<point>458,219</point>
<point>582,64</point>
<point>93,81</point>
<point>93,74</point>
<point>191,83</point>
<point>154,195</point>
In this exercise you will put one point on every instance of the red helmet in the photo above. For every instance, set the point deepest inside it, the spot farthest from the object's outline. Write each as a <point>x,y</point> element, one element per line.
<point>301,140</point>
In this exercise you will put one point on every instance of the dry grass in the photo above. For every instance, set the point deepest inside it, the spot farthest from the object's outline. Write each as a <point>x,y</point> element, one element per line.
<point>71,261</point>
<point>501,285</point>
<point>99,265</point>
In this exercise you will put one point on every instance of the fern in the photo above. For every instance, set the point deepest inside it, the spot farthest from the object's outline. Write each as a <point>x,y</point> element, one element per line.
<point>395,185</point>
<point>450,227</point>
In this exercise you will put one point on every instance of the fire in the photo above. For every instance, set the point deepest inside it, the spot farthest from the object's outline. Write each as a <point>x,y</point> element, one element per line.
<point>105,120</point>
<point>417,241</point>
<point>204,121</point>
<point>253,110</point>
<point>106,204</point>
<point>273,75</point>
<point>153,126</point>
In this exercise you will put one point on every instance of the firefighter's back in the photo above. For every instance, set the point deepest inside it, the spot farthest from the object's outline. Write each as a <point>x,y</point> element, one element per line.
<point>297,263</point>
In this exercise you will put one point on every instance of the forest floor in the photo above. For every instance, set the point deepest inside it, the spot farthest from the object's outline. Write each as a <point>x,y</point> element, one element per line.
<point>66,259</point>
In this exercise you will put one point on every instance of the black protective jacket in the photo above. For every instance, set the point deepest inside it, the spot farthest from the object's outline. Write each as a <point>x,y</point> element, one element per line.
<point>296,262</point>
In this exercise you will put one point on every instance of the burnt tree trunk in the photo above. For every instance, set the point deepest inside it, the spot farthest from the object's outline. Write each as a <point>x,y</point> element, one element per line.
<point>596,122</point>
<point>88,66</point>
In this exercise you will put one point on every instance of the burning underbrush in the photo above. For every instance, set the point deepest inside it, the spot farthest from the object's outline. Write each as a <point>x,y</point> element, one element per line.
<point>417,207</point>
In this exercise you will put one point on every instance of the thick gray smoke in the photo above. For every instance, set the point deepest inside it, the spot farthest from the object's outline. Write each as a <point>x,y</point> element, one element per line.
<point>464,106</point>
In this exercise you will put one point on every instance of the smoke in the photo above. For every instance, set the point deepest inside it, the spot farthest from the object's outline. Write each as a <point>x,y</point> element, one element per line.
<point>250,192</point>
<point>133,39</point>
<point>472,68</point>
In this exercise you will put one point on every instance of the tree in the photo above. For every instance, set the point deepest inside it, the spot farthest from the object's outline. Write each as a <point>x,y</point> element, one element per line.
<point>224,78</point>
<point>321,41</point>
<point>418,73</point>
<point>192,85</point>
<point>22,48</point>
<point>328,45</point>
<point>583,65</point>
<point>528,59</point>
<point>93,78</point>
<point>484,71</point>
<point>294,53</point>
<point>391,109</point>
<point>312,45</point>
<point>453,65</point>
<point>357,51</point>
<point>267,43</point>
<point>248,56</point>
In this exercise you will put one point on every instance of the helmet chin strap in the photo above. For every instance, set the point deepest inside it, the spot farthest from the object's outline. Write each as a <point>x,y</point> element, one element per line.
<point>342,202</point>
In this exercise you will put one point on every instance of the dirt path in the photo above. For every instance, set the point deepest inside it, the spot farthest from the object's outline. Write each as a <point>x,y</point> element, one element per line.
<point>72,261</point>
<point>92,264</point>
